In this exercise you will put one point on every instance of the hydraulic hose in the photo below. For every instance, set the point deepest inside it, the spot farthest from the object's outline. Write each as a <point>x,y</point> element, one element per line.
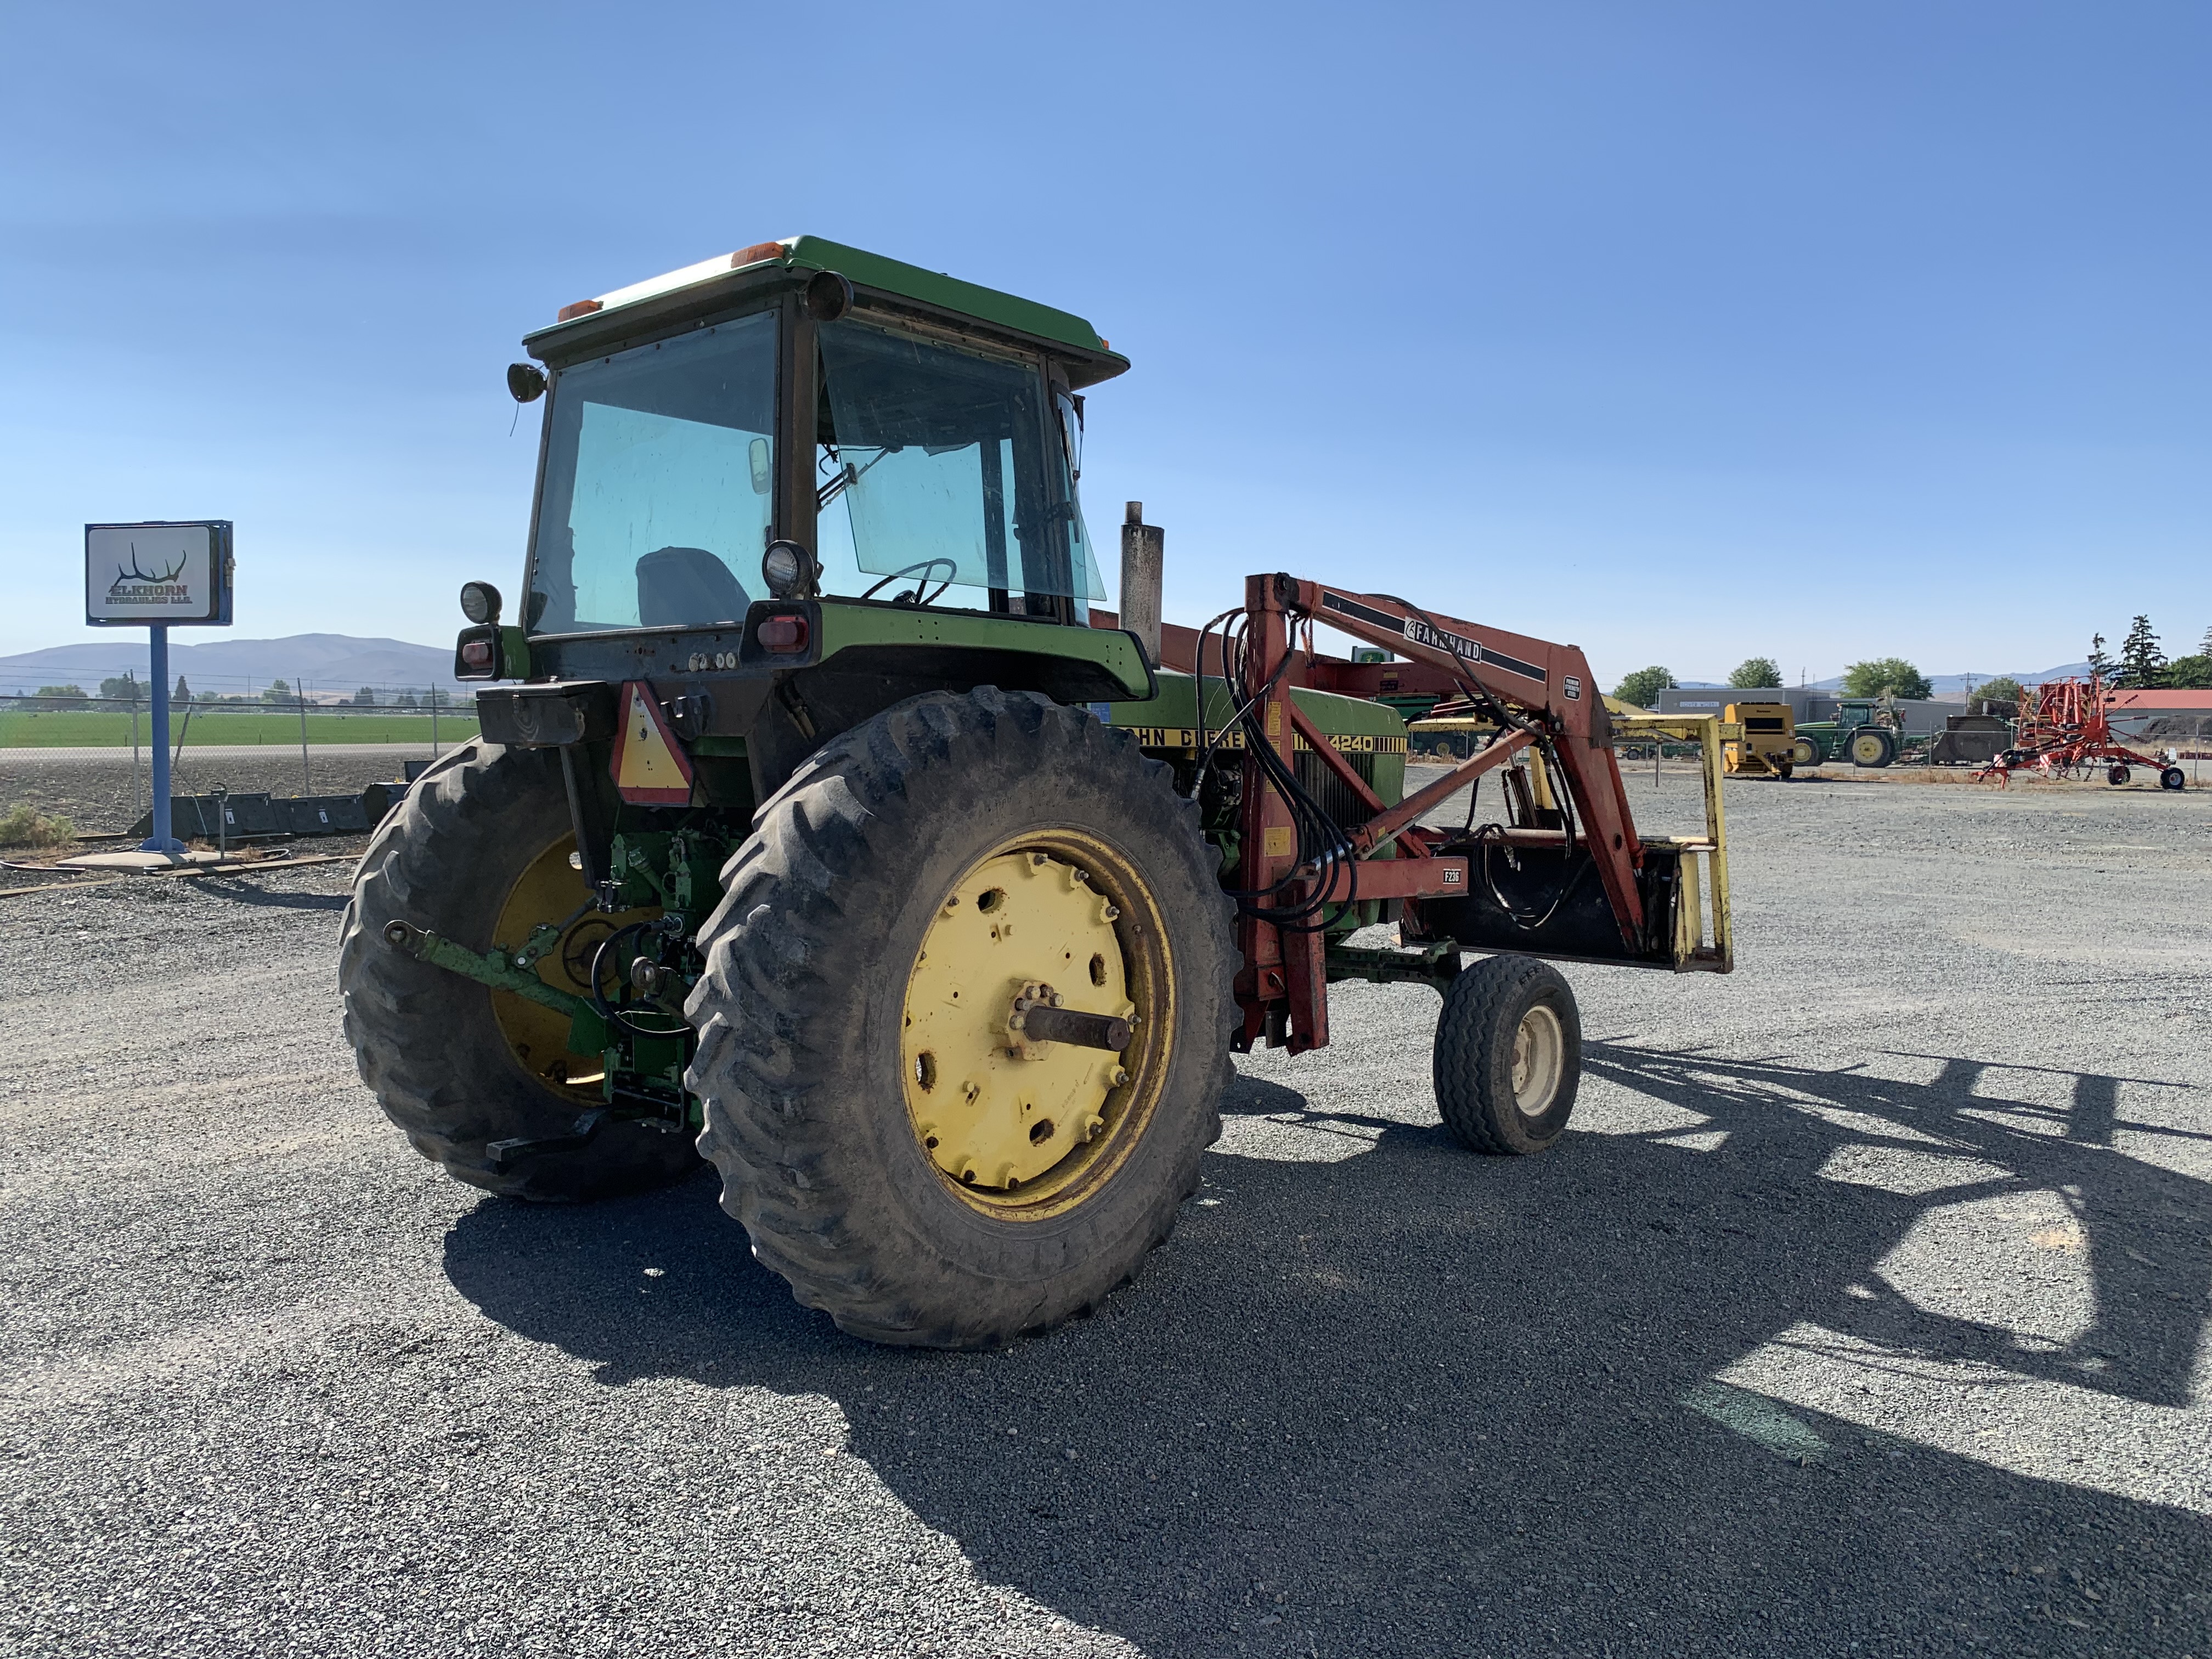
<point>1323,845</point>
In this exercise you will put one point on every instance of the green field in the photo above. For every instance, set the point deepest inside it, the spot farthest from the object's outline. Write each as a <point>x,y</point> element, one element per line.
<point>277,728</point>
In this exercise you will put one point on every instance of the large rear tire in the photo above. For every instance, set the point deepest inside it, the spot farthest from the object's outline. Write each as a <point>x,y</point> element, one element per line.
<point>478,854</point>
<point>1873,746</point>
<point>901,1150</point>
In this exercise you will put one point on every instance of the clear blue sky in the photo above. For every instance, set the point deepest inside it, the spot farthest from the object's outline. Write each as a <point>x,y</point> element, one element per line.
<point>1682,331</point>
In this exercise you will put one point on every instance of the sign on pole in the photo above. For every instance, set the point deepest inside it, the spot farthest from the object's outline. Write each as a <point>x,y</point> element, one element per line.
<point>137,574</point>
<point>158,576</point>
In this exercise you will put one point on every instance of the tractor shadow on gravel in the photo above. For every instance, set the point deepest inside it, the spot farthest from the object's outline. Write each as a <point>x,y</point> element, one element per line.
<point>263,898</point>
<point>1414,1402</point>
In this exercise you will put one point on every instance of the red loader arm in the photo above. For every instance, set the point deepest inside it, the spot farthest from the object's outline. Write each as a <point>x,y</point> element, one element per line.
<point>1541,695</point>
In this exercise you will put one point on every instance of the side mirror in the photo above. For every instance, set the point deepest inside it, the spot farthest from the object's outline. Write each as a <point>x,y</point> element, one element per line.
<point>526,382</point>
<point>1071,428</point>
<point>756,453</point>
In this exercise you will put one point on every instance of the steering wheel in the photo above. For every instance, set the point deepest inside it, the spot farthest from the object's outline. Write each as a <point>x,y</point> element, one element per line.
<point>915,595</point>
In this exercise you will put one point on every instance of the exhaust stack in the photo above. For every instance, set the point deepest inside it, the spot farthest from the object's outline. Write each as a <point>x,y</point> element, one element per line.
<point>1142,554</point>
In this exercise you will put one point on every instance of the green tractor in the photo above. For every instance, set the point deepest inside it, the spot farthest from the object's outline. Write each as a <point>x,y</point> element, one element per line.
<point>798,759</point>
<point>1864,731</point>
<point>818,827</point>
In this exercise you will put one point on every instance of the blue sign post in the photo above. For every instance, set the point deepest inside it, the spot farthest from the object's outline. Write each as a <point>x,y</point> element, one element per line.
<point>157,576</point>
<point>157,647</point>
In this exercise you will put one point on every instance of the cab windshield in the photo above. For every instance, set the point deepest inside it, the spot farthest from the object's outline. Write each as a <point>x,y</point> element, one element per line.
<point>940,467</point>
<point>942,474</point>
<point>659,464</point>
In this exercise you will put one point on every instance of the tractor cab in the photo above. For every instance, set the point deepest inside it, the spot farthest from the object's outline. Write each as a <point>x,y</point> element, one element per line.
<point>797,451</point>
<point>889,433</point>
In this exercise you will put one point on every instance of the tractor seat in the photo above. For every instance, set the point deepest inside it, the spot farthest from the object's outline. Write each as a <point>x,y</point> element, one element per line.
<point>686,586</point>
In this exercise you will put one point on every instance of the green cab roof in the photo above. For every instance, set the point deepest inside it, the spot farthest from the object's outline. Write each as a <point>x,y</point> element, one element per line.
<point>935,288</point>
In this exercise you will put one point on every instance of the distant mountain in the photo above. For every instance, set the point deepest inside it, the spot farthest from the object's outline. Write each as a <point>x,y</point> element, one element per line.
<point>1948,685</point>
<point>323,662</point>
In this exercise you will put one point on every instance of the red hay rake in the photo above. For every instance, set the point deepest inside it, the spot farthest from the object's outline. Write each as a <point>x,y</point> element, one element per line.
<point>2069,734</point>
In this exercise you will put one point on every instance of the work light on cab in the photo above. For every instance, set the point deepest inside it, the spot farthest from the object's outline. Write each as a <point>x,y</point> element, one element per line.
<point>788,569</point>
<point>480,602</point>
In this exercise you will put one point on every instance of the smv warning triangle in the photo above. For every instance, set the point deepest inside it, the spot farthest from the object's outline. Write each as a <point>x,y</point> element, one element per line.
<point>650,770</point>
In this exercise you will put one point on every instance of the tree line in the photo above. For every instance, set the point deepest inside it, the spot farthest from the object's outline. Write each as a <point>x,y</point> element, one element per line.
<point>1879,676</point>
<point>2141,665</point>
<point>130,691</point>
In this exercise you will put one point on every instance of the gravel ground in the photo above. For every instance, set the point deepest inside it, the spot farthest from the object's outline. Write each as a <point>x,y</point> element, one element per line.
<point>1862,1312</point>
<point>101,791</point>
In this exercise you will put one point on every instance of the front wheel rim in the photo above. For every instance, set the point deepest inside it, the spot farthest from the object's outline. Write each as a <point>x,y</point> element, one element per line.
<point>1020,1130</point>
<point>1538,1059</point>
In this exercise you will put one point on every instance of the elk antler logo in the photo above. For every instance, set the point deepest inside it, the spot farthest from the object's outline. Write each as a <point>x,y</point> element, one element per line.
<point>135,574</point>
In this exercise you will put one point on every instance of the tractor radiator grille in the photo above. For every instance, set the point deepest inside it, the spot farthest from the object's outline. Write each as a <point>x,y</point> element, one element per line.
<point>1336,799</point>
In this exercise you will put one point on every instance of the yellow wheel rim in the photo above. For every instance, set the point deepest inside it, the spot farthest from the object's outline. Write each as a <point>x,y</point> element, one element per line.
<point>551,891</point>
<point>1024,1130</point>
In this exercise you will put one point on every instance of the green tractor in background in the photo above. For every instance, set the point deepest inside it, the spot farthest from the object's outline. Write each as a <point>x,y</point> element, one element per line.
<point>812,827</point>
<point>1865,730</point>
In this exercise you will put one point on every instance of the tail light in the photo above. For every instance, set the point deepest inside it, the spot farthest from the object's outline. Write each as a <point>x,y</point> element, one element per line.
<point>476,654</point>
<point>784,633</point>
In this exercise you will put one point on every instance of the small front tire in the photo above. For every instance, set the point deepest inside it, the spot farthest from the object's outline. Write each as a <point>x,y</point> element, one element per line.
<point>1508,1055</point>
<point>2117,775</point>
<point>2172,778</point>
